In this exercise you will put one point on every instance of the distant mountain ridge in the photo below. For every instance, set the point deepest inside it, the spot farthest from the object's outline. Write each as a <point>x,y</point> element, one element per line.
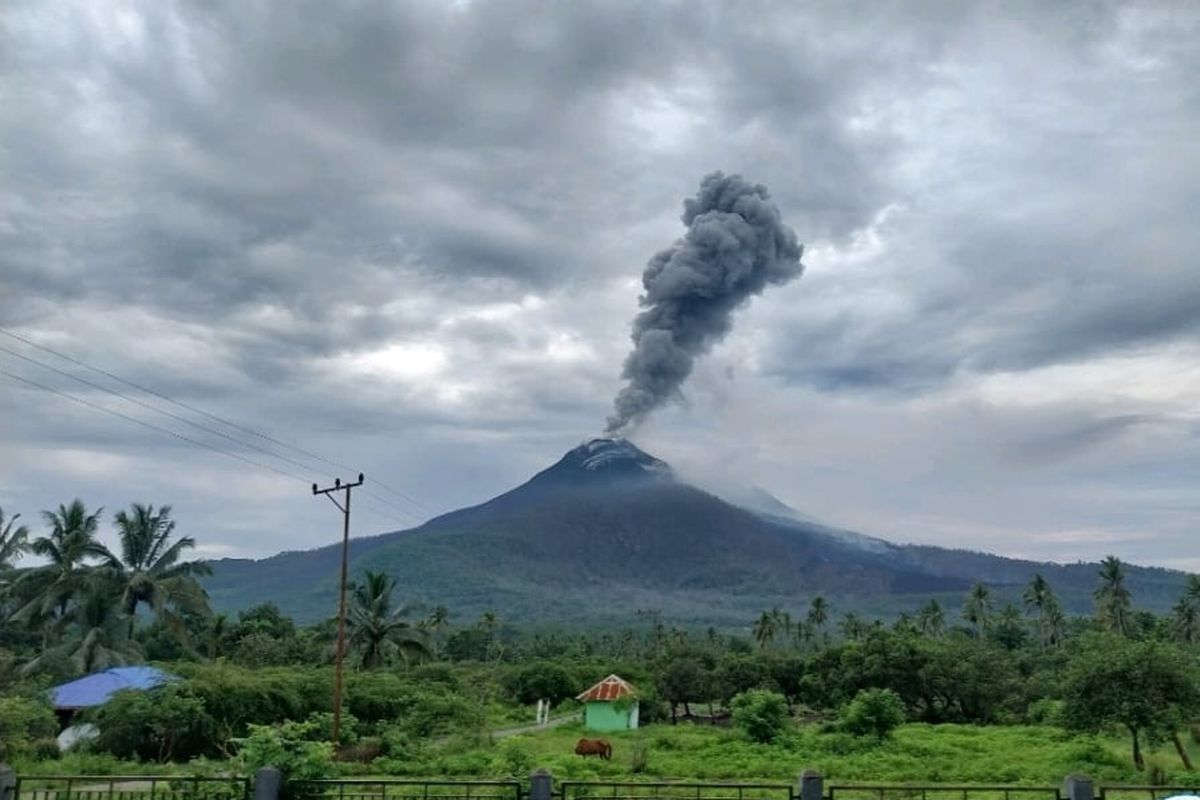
<point>609,529</point>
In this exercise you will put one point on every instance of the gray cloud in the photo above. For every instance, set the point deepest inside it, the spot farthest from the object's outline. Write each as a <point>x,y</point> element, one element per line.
<point>402,234</point>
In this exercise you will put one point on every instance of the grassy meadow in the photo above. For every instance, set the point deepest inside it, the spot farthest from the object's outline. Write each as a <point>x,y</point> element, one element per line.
<point>915,753</point>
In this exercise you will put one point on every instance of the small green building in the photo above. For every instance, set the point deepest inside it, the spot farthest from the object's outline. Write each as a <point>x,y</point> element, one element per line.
<point>610,705</point>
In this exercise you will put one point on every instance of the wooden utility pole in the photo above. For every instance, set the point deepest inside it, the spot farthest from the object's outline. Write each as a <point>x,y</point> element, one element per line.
<point>340,654</point>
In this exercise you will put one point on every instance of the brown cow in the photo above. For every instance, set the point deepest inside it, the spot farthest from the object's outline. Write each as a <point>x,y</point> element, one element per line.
<point>594,747</point>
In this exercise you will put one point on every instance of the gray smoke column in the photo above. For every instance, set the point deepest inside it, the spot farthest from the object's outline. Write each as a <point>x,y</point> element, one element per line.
<point>735,246</point>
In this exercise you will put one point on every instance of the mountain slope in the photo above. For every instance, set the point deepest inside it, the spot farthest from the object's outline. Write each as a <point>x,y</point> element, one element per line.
<point>609,530</point>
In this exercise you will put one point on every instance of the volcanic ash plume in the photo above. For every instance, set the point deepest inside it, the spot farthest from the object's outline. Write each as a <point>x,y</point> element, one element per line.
<point>735,246</point>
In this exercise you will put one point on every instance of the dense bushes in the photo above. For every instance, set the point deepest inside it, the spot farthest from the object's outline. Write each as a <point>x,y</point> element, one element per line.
<point>24,722</point>
<point>213,704</point>
<point>162,725</point>
<point>299,750</point>
<point>761,714</point>
<point>541,680</point>
<point>873,712</point>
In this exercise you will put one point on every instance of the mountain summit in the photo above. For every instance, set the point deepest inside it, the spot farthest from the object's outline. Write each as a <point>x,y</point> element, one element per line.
<point>609,529</point>
<point>604,461</point>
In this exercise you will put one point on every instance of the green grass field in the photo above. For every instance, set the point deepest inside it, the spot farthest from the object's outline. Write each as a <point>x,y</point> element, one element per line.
<point>916,753</point>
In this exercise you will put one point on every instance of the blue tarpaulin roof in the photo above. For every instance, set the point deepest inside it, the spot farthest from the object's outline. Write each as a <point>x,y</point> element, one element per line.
<point>95,689</point>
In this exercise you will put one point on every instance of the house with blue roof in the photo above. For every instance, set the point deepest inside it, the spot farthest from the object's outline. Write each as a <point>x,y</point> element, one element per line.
<point>96,689</point>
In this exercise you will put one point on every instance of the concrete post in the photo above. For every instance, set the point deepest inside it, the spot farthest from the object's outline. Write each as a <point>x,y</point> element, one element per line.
<point>541,785</point>
<point>268,784</point>
<point>1078,787</point>
<point>812,785</point>
<point>8,783</point>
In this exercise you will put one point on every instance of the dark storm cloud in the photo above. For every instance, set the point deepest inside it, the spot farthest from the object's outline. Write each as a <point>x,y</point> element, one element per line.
<point>248,204</point>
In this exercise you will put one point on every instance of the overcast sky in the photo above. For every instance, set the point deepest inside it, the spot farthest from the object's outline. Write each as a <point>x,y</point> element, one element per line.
<point>408,237</point>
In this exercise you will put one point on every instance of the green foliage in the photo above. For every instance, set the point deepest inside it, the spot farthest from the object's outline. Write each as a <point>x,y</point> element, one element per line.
<point>165,724</point>
<point>762,714</point>
<point>1145,687</point>
<point>873,712</point>
<point>541,680</point>
<point>24,721</point>
<point>514,760</point>
<point>295,748</point>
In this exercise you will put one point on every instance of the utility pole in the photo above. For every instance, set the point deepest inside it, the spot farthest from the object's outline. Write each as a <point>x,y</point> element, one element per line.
<point>340,655</point>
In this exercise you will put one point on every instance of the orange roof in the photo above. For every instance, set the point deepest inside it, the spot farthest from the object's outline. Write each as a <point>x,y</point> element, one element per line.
<point>611,688</point>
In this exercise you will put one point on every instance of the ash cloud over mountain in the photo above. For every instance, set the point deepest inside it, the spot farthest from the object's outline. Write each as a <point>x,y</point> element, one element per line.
<point>735,246</point>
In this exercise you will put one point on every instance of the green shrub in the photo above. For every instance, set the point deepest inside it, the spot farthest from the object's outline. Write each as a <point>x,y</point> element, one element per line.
<point>762,714</point>
<point>45,749</point>
<point>292,747</point>
<point>873,712</point>
<point>322,722</point>
<point>1046,711</point>
<point>24,720</point>
<point>165,724</point>
<point>639,760</point>
<point>543,680</point>
<point>513,760</point>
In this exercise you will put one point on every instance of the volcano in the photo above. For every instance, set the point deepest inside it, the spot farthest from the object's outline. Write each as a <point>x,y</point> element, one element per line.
<point>609,530</point>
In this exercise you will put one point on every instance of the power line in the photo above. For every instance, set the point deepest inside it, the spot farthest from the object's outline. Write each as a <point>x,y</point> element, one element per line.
<point>184,420</point>
<point>152,426</point>
<point>206,414</point>
<point>177,435</point>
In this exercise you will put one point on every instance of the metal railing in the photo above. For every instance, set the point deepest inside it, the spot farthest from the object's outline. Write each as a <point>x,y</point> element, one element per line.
<point>911,791</point>
<point>401,789</point>
<point>129,787</point>
<point>674,790</point>
<point>1144,791</point>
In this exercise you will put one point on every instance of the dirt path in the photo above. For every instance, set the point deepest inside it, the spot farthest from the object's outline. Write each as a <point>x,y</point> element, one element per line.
<point>553,722</point>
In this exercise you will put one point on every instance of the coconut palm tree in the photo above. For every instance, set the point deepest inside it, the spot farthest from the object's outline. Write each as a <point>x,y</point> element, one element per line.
<point>377,631</point>
<point>783,623</point>
<point>818,615</point>
<point>977,607</point>
<point>1056,625</point>
<point>931,619</point>
<point>1114,603</point>
<point>436,623</point>
<point>14,541</point>
<point>1185,620</point>
<point>67,549</point>
<point>1039,598</point>
<point>94,634</point>
<point>149,572</point>
<point>853,627</point>
<point>764,629</point>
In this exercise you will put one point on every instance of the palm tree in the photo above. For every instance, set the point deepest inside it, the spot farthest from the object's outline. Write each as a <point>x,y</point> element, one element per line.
<point>852,626</point>
<point>1185,620</point>
<point>764,629</point>
<point>95,633</point>
<point>149,572</point>
<point>1056,625</point>
<point>436,623</point>
<point>1113,600</point>
<point>1193,588</point>
<point>376,630</point>
<point>67,548</point>
<point>783,623</point>
<point>976,608</point>
<point>818,614</point>
<point>14,541</point>
<point>931,619</point>
<point>1039,598</point>
<point>489,623</point>
<point>1186,613</point>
